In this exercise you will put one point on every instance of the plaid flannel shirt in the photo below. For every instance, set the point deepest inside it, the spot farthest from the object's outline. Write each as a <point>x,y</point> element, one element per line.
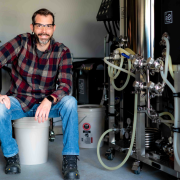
<point>35,78</point>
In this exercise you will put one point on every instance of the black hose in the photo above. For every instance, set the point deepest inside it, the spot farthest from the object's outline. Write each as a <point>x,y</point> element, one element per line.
<point>117,26</point>
<point>106,27</point>
<point>111,33</point>
<point>114,28</point>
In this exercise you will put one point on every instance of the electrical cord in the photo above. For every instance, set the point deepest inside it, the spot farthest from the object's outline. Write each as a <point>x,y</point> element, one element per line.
<point>114,28</point>
<point>106,27</point>
<point>116,24</point>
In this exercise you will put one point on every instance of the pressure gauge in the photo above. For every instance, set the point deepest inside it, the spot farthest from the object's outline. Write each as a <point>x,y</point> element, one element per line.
<point>128,121</point>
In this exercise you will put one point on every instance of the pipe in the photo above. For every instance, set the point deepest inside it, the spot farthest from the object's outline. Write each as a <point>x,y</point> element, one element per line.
<point>132,140</point>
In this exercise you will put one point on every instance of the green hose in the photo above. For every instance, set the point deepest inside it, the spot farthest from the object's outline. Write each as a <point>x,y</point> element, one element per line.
<point>132,140</point>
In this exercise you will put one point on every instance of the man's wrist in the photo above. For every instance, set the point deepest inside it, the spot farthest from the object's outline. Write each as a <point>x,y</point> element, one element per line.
<point>50,98</point>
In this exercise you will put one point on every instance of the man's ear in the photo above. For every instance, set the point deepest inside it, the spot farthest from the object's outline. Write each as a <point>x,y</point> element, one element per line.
<point>54,27</point>
<point>31,27</point>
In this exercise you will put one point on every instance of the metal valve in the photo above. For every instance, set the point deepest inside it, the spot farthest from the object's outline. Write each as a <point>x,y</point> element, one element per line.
<point>150,63</point>
<point>123,40</point>
<point>116,55</point>
<point>139,86</point>
<point>157,88</point>
<point>163,42</point>
<point>138,63</point>
<point>155,65</point>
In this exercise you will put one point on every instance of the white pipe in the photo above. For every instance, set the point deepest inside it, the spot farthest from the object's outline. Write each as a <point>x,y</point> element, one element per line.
<point>132,140</point>
<point>167,56</point>
<point>175,118</point>
<point>112,65</point>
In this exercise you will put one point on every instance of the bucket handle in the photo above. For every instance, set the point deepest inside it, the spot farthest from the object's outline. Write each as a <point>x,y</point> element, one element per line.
<point>82,119</point>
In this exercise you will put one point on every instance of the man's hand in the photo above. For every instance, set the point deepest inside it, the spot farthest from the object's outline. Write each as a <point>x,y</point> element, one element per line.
<point>42,112</point>
<point>4,99</point>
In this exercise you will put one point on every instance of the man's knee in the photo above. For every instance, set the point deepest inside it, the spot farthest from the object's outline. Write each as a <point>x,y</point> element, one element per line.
<point>70,101</point>
<point>3,111</point>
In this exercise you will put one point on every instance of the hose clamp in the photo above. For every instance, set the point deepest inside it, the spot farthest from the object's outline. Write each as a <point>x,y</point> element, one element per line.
<point>176,95</point>
<point>177,130</point>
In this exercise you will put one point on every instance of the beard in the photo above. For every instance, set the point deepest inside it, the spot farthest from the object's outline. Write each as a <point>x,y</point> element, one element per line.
<point>42,40</point>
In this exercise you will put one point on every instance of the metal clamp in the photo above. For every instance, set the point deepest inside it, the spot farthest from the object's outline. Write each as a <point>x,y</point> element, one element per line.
<point>176,95</point>
<point>177,130</point>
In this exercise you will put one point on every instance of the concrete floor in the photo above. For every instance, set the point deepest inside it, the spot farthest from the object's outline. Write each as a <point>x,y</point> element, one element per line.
<point>89,167</point>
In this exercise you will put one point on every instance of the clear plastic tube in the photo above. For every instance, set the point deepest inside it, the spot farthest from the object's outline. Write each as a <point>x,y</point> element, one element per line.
<point>123,51</point>
<point>167,56</point>
<point>167,113</point>
<point>127,80</point>
<point>132,140</point>
<point>116,67</point>
<point>111,69</point>
<point>166,121</point>
<point>170,67</point>
<point>130,51</point>
<point>167,82</point>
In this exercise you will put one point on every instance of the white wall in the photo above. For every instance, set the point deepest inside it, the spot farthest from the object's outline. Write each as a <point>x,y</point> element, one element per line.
<point>76,24</point>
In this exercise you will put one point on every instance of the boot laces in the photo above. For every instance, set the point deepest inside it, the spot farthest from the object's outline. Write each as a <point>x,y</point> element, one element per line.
<point>70,162</point>
<point>13,159</point>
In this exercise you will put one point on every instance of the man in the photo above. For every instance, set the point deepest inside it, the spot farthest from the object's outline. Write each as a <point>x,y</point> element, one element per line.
<point>38,64</point>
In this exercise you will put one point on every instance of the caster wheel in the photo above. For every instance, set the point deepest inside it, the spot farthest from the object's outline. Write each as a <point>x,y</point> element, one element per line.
<point>110,157</point>
<point>51,140</point>
<point>110,153</point>
<point>138,171</point>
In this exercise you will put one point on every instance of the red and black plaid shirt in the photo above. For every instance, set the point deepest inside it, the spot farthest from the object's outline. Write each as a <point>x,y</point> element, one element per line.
<point>35,78</point>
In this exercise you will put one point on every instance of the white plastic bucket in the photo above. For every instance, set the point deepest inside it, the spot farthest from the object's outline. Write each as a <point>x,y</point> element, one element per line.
<point>91,125</point>
<point>32,139</point>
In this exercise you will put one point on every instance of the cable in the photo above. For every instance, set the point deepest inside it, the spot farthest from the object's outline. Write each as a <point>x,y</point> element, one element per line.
<point>106,27</point>
<point>117,26</point>
<point>111,33</point>
<point>114,28</point>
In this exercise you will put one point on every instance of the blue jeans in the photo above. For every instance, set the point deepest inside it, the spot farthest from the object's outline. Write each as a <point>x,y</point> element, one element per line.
<point>66,109</point>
